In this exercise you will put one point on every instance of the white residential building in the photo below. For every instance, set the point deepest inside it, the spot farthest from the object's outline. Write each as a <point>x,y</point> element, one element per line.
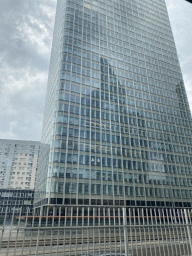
<point>18,163</point>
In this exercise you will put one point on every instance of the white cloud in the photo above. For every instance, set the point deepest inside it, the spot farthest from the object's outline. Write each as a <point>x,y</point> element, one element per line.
<point>180,14</point>
<point>23,103</point>
<point>25,46</point>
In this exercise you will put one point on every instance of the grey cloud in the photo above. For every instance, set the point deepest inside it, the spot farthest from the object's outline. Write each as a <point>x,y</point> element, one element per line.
<point>23,110</point>
<point>180,14</point>
<point>25,43</point>
<point>14,47</point>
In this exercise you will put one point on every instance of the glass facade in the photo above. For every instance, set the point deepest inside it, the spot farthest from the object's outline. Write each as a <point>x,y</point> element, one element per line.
<point>117,124</point>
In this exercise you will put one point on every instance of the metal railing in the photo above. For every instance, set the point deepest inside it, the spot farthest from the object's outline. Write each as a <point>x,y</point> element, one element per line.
<point>97,231</point>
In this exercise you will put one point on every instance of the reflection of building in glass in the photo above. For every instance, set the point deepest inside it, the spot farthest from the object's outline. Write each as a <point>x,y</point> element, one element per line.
<point>117,125</point>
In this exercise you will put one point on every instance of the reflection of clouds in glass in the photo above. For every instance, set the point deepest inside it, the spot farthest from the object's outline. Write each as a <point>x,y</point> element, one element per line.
<point>89,6</point>
<point>94,6</point>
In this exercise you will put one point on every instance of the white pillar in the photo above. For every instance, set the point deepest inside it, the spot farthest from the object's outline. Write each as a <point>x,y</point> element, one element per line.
<point>125,231</point>
<point>188,229</point>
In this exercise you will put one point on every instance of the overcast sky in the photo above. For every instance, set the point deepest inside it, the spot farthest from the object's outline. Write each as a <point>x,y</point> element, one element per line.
<point>26,28</point>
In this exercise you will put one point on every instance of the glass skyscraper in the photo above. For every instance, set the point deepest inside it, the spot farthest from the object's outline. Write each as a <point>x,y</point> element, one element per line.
<point>117,123</point>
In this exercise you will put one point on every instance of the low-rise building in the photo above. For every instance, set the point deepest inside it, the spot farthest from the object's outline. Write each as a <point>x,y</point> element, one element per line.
<point>17,201</point>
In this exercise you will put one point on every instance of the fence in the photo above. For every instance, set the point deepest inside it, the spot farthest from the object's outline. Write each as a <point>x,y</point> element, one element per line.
<point>97,231</point>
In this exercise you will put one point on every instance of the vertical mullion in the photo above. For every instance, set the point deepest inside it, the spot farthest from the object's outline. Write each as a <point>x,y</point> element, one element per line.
<point>119,217</point>
<point>189,224</point>
<point>32,226</point>
<point>153,231</point>
<point>185,226</point>
<point>46,230</point>
<point>166,228</point>
<point>157,230</point>
<point>52,229</point>
<point>168,225</point>
<point>131,233</point>
<point>114,230</point>
<point>149,231</point>
<point>95,231</point>
<point>39,226</point>
<point>99,223</point>
<point>26,222</point>
<point>125,231</point>
<point>77,230</point>
<point>88,233</point>
<point>176,213</point>
<point>140,230</point>
<point>104,222</point>
<point>70,227</point>
<point>18,230</point>
<point>144,231</point>
<point>58,233</point>
<point>173,228</point>
<point>181,226</point>
<point>135,228</point>
<point>82,229</point>
<point>65,230</point>
<point>161,230</point>
<point>109,213</point>
<point>11,229</point>
<point>3,227</point>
